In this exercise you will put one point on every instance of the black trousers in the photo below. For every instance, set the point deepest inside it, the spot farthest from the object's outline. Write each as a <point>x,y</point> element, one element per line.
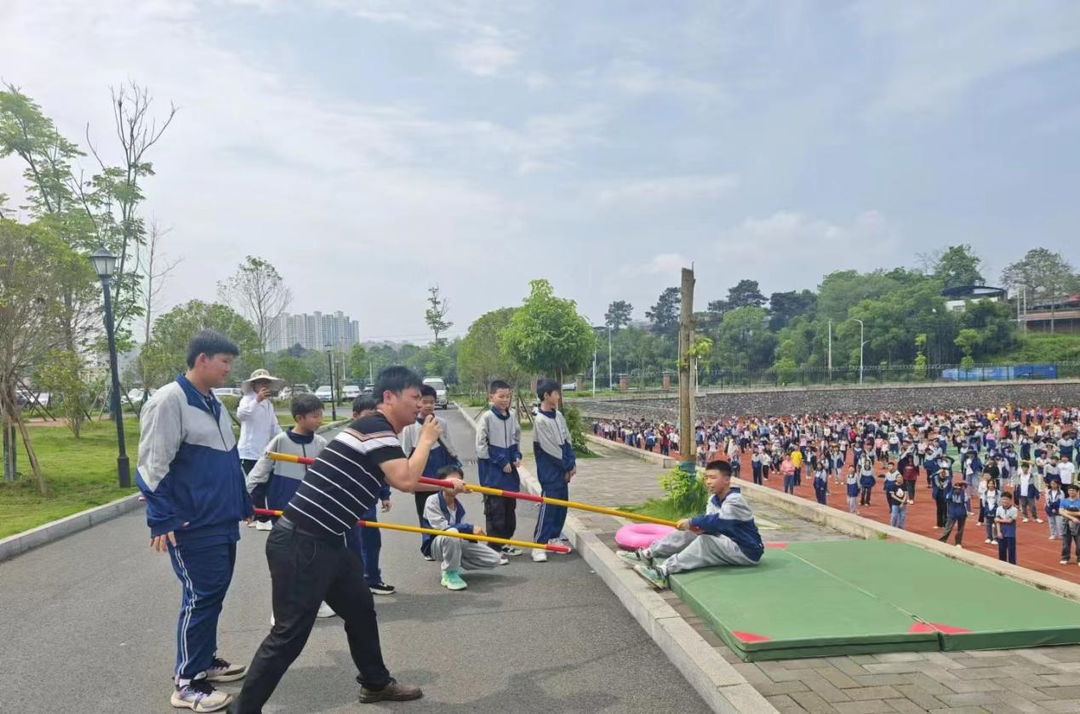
<point>958,523</point>
<point>258,498</point>
<point>1007,549</point>
<point>305,571</point>
<point>500,517</point>
<point>942,512</point>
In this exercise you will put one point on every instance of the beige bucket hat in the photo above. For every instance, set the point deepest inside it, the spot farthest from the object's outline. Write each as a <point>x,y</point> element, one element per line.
<point>262,375</point>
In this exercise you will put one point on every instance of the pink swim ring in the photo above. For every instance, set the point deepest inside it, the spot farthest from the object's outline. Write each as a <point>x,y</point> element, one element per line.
<point>640,535</point>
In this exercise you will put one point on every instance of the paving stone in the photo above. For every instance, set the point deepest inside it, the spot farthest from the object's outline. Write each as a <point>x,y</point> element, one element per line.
<point>984,673</point>
<point>901,657</point>
<point>895,667</point>
<point>752,673</point>
<point>782,701</point>
<point>1037,656</point>
<point>941,675</point>
<point>838,678</point>
<point>877,680</point>
<point>1072,692</point>
<point>962,686</point>
<point>885,692</point>
<point>1023,689</point>
<point>864,659</point>
<point>960,710</point>
<point>769,689</point>
<point>969,698</point>
<point>778,673</point>
<point>812,703</point>
<point>846,665</point>
<point>1060,680</point>
<point>821,686</point>
<point>997,660</point>
<point>803,663</point>
<point>869,706</point>
<point>928,684</point>
<point>942,659</point>
<point>1064,654</point>
<point>914,693</point>
<point>905,706</point>
<point>1063,706</point>
<point>1021,703</point>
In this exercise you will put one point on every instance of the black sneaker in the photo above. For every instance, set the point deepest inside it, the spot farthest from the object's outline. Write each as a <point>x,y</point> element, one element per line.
<point>381,589</point>
<point>511,551</point>
<point>222,671</point>
<point>392,692</point>
<point>200,696</point>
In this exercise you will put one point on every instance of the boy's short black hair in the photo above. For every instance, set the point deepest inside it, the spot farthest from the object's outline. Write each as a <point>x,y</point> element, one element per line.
<point>717,465</point>
<point>1006,494</point>
<point>303,404</point>
<point>395,379</point>
<point>546,386</point>
<point>426,390</point>
<point>363,403</point>
<point>450,470</point>
<point>210,343</point>
<point>497,385</point>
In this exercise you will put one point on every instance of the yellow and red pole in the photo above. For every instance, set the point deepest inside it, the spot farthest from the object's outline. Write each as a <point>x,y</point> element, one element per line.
<point>435,532</point>
<point>511,494</point>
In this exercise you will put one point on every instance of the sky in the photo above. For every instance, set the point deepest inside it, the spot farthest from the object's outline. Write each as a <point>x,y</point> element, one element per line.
<point>371,148</point>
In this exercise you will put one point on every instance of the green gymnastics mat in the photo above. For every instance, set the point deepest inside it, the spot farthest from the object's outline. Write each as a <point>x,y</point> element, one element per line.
<point>786,608</point>
<point>968,607</point>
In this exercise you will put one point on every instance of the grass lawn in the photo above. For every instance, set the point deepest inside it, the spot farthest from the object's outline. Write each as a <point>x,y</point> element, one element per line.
<point>659,508</point>
<point>80,472</point>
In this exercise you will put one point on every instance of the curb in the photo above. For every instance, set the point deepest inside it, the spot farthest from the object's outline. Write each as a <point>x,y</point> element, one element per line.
<point>35,537</point>
<point>718,683</point>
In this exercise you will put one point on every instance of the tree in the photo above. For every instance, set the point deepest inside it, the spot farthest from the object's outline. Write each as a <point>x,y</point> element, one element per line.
<point>967,340</point>
<point>155,268</point>
<point>435,315</point>
<point>958,265</point>
<point>165,355</point>
<point>294,371</point>
<point>785,307</point>
<point>745,341</point>
<point>745,294</point>
<point>1045,276</point>
<point>358,363</point>
<point>481,359</point>
<point>259,292</point>
<point>33,261</point>
<point>664,315</point>
<point>547,336</point>
<point>618,315</point>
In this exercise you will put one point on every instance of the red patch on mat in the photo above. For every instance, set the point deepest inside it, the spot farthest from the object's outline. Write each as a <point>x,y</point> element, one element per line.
<point>949,629</point>
<point>749,636</point>
<point>921,628</point>
<point>779,544</point>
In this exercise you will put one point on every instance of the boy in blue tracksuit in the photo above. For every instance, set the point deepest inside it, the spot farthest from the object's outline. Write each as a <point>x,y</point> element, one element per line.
<point>958,503</point>
<point>189,473</point>
<point>821,484</point>
<point>555,464</point>
<point>852,491</point>
<point>443,512</point>
<point>442,453</point>
<point>498,456</point>
<point>724,535</point>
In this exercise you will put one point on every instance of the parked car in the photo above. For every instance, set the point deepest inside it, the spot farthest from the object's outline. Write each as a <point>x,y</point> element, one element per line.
<point>26,399</point>
<point>441,399</point>
<point>136,395</point>
<point>325,393</point>
<point>350,392</point>
<point>369,389</point>
<point>228,392</point>
<point>570,387</point>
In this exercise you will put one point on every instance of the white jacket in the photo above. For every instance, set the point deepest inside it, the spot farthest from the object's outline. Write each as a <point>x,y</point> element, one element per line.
<point>258,425</point>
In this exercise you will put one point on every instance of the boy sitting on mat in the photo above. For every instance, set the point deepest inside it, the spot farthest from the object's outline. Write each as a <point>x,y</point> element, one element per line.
<point>725,535</point>
<point>445,513</point>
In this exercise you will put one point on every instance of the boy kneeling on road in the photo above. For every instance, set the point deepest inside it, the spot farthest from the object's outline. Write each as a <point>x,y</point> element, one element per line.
<point>445,513</point>
<point>725,535</point>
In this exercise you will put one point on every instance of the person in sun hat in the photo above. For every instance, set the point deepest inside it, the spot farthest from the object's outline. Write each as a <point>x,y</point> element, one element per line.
<point>258,425</point>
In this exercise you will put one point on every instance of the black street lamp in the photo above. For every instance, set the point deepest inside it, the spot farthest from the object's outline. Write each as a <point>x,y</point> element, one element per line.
<point>333,391</point>
<point>104,264</point>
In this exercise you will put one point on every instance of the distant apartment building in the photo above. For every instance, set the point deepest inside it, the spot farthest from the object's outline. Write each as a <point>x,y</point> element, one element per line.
<point>314,332</point>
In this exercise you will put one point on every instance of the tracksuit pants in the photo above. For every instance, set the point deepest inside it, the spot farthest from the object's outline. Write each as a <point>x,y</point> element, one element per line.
<point>958,523</point>
<point>367,544</point>
<point>204,573</point>
<point>1007,549</point>
<point>549,523</point>
<point>684,550</point>
<point>1070,537</point>
<point>306,570</point>
<point>500,518</point>
<point>456,553</point>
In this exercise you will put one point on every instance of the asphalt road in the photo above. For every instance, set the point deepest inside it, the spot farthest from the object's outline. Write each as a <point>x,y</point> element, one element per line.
<point>87,624</point>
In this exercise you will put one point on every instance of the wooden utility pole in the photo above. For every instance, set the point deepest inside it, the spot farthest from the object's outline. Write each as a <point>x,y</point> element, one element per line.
<point>686,397</point>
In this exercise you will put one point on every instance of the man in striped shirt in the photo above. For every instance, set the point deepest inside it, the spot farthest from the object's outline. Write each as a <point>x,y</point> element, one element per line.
<point>309,562</point>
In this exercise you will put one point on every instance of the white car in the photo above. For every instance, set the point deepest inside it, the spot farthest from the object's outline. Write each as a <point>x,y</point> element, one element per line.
<point>350,392</point>
<point>228,392</point>
<point>135,396</point>
<point>441,399</point>
<point>325,393</point>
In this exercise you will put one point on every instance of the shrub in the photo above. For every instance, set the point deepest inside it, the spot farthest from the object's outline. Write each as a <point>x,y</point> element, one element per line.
<point>686,491</point>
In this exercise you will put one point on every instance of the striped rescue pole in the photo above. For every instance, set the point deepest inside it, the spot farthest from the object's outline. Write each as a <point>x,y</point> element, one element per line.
<point>434,532</point>
<point>511,494</point>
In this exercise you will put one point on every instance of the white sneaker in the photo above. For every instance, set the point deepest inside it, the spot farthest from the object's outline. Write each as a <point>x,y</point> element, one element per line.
<point>1026,520</point>
<point>199,695</point>
<point>264,526</point>
<point>1038,520</point>
<point>987,541</point>
<point>959,546</point>
<point>273,622</point>
<point>539,556</point>
<point>326,611</point>
<point>563,543</point>
<point>503,560</point>
<point>251,524</point>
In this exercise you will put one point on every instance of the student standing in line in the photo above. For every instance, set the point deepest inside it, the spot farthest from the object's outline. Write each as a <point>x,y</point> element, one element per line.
<point>1028,491</point>
<point>866,479</point>
<point>556,464</point>
<point>1005,521</point>
<point>990,504</point>
<point>821,484</point>
<point>787,470</point>
<point>498,457</point>
<point>1070,513</point>
<point>959,504</point>
<point>1053,508</point>
<point>852,491</point>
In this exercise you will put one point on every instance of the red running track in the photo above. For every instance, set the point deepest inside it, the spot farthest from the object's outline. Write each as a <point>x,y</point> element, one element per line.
<point>1034,549</point>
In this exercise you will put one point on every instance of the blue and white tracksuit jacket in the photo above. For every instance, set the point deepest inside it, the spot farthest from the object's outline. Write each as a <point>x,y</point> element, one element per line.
<point>189,473</point>
<point>498,443</point>
<point>554,459</point>
<point>277,481</point>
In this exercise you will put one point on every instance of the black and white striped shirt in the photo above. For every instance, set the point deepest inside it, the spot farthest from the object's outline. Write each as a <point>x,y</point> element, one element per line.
<point>346,477</point>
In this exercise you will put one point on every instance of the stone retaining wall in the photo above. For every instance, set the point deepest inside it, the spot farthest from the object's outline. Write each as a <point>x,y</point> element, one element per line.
<point>846,399</point>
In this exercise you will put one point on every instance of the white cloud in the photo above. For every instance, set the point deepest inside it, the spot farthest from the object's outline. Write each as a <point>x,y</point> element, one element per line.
<point>667,189</point>
<point>940,50</point>
<point>636,78</point>
<point>485,55</point>
<point>790,250</point>
<point>667,265</point>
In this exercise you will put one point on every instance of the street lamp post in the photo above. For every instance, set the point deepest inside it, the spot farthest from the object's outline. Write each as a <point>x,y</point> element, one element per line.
<point>333,392</point>
<point>862,343</point>
<point>610,377</point>
<point>104,264</point>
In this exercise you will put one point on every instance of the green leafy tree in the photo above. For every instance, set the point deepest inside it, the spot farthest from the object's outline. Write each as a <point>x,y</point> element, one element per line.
<point>257,291</point>
<point>358,363</point>
<point>958,265</point>
<point>165,355</point>
<point>785,307</point>
<point>745,293</point>
<point>63,374</point>
<point>435,315</point>
<point>1045,276</point>
<point>745,340</point>
<point>618,315</point>
<point>664,315</point>
<point>481,359</point>
<point>293,370</point>
<point>967,340</point>
<point>547,336</point>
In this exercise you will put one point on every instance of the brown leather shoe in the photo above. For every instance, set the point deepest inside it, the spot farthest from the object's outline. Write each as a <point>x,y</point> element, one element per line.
<point>393,692</point>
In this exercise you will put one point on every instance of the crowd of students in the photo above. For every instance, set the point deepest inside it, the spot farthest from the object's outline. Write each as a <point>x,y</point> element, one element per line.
<point>1002,466</point>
